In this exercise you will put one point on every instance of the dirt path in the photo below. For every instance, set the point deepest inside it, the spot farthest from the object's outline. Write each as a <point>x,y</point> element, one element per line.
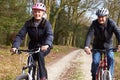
<point>78,56</point>
<point>86,65</point>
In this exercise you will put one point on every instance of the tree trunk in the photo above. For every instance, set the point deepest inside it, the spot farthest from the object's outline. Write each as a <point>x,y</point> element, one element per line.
<point>26,40</point>
<point>118,20</point>
<point>34,1</point>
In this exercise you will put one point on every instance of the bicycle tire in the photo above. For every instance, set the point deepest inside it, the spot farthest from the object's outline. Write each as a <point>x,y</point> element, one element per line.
<point>100,74</point>
<point>107,75</point>
<point>22,77</point>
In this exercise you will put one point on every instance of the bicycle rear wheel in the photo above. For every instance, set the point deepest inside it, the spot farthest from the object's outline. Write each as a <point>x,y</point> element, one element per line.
<point>107,75</point>
<point>22,77</point>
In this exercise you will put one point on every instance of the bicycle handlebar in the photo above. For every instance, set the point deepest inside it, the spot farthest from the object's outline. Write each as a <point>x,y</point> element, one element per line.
<point>30,51</point>
<point>105,50</point>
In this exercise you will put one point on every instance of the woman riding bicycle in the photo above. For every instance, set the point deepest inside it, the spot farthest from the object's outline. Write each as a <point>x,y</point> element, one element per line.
<point>102,29</point>
<point>41,35</point>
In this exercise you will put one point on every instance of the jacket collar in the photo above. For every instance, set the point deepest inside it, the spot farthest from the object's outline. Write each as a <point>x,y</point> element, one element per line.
<point>32,22</point>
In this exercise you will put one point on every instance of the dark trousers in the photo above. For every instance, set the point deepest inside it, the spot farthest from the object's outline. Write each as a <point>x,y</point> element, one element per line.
<point>39,57</point>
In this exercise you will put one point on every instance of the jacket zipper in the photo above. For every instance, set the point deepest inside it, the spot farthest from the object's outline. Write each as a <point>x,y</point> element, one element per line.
<point>36,33</point>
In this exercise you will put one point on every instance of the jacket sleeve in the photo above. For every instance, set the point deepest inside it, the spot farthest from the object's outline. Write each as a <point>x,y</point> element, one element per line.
<point>89,35</point>
<point>49,34</point>
<point>117,32</point>
<point>19,37</point>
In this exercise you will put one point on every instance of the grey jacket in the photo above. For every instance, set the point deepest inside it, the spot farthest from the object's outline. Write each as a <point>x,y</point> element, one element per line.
<point>102,35</point>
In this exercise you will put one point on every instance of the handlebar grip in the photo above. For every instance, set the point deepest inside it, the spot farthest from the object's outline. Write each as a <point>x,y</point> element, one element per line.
<point>115,49</point>
<point>18,51</point>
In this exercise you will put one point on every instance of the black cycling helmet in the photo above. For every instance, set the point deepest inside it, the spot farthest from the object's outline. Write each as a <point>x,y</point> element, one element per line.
<point>102,12</point>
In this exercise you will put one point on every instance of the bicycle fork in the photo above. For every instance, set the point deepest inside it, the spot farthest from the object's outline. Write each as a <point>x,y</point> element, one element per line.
<point>106,69</point>
<point>103,69</point>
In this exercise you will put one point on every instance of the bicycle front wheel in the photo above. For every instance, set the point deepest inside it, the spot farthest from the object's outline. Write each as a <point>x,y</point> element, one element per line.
<point>107,75</point>
<point>22,77</point>
<point>100,74</point>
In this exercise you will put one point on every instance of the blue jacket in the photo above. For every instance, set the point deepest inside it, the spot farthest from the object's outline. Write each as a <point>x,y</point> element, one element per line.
<point>102,34</point>
<point>41,35</point>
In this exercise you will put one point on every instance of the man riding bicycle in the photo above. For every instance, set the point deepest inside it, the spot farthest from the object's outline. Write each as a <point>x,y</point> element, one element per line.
<point>41,35</point>
<point>102,29</point>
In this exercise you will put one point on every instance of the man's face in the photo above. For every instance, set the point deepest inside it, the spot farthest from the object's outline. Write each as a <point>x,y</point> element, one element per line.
<point>37,14</point>
<point>102,19</point>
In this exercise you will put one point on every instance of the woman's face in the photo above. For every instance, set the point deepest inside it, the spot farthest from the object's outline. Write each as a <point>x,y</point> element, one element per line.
<point>102,19</point>
<point>38,14</point>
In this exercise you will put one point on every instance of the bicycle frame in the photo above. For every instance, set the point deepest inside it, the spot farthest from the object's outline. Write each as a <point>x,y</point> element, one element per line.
<point>102,67</point>
<point>103,72</point>
<point>30,64</point>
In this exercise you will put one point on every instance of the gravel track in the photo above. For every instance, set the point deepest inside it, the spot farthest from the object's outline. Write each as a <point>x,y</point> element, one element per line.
<point>78,56</point>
